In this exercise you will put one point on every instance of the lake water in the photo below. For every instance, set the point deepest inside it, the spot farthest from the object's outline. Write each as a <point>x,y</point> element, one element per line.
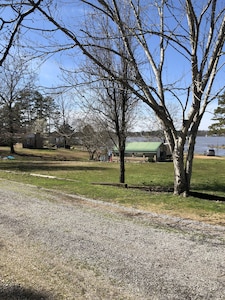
<point>202,143</point>
<point>213,142</point>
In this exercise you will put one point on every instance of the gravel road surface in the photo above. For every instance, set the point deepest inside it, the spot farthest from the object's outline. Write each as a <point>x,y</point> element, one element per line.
<point>58,246</point>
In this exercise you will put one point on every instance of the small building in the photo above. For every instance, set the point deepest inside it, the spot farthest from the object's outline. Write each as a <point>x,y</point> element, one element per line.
<point>145,151</point>
<point>33,141</point>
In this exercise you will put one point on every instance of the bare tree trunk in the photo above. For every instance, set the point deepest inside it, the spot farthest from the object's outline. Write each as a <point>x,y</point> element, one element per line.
<point>121,148</point>
<point>122,166</point>
<point>183,167</point>
<point>12,149</point>
<point>91,154</point>
<point>11,129</point>
<point>180,180</point>
<point>188,167</point>
<point>190,152</point>
<point>180,184</point>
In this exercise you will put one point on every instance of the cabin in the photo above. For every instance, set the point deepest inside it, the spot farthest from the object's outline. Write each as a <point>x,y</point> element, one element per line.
<point>33,141</point>
<point>145,151</point>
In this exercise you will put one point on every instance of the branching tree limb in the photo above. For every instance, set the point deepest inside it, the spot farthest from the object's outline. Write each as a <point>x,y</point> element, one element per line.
<point>178,45</point>
<point>10,24</point>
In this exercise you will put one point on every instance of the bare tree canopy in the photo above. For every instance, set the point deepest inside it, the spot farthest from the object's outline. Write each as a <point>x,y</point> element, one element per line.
<point>12,16</point>
<point>179,54</point>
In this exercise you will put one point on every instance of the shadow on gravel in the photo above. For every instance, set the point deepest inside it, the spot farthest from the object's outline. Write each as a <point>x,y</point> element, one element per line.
<point>20,293</point>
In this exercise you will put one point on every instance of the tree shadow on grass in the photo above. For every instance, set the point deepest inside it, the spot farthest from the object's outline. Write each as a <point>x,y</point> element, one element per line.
<point>17,292</point>
<point>196,192</point>
<point>206,196</point>
<point>32,166</point>
<point>210,191</point>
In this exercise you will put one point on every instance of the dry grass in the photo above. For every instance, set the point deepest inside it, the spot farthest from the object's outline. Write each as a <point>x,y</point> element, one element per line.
<point>31,272</point>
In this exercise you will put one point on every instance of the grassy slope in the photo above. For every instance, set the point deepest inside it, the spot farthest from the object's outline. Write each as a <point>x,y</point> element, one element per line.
<point>78,174</point>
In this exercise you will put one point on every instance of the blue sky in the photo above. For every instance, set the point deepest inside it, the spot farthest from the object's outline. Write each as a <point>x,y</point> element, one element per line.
<point>50,76</point>
<point>49,72</point>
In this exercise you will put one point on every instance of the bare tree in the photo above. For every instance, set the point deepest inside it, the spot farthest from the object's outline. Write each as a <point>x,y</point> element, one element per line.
<point>63,119</point>
<point>179,53</point>
<point>114,108</point>
<point>94,136</point>
<point>111,100</point>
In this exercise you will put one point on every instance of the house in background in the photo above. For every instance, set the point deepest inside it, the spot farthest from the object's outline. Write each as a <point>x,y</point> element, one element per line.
<point>145,151</point>
<point>33,141</point>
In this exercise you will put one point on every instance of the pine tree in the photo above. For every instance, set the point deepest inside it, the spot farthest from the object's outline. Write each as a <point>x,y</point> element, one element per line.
<point>219,117</point>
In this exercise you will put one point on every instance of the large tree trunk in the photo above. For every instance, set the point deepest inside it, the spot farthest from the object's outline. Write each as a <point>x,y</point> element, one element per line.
<point>181,185</point>
<point>180,182</point>
<point>189,160</point>
<point>190,150</point>
<point>183,167</point>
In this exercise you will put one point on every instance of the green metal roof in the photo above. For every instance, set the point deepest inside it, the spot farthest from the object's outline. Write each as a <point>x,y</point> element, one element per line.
<point>143,147</point>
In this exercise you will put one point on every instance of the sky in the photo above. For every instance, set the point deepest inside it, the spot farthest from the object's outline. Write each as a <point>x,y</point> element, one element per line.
<point>50,75</point>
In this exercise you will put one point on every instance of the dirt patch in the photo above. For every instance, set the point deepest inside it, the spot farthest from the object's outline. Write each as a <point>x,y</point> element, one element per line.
<point>208,157</point>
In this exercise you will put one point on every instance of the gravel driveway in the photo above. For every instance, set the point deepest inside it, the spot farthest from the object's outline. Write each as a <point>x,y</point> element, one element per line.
<point>58,246</point>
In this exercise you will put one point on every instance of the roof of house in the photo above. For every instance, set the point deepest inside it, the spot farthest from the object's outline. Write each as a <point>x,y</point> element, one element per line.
<point>143,146</point>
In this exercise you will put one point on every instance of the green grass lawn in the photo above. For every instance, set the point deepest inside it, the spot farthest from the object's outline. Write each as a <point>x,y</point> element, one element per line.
<point>77,175</point>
